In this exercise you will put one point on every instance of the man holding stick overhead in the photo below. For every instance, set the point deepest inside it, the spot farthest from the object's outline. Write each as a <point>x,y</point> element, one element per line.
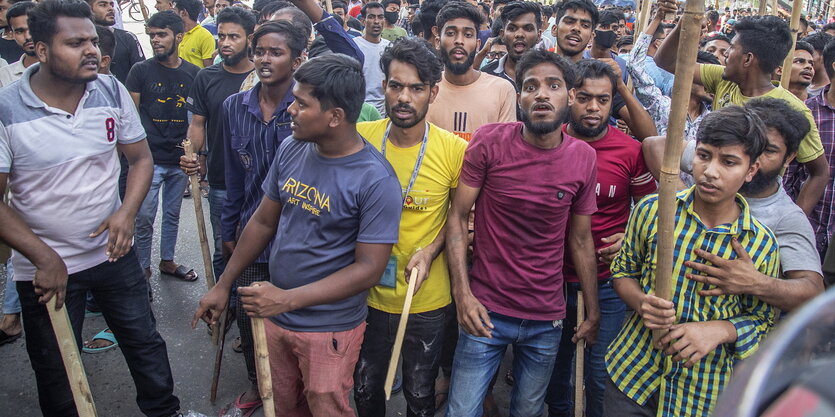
<point>331,209</point>
<point>62,125</point>
<point>427,161</point>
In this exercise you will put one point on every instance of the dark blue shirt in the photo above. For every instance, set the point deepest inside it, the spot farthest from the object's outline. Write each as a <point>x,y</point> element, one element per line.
<point>337,40</point>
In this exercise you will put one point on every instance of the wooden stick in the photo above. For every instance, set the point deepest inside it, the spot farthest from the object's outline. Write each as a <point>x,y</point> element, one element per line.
<point>221,328</point>
<point>72,361</point>
<point>763,8</point>
<point>643,16</point>
<point>580,363</point>
<point>687,47</point>
<point>329,5</point>
<point>774,9</point>
<point>262,364</point>
<point>401,333</point>
<point>794,26</point>
<point>143,10</point>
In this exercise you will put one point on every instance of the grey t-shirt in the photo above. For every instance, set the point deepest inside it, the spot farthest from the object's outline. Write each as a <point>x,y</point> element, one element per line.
<point>791,228</point>
<point>328,205</point>
<point>373,73</point>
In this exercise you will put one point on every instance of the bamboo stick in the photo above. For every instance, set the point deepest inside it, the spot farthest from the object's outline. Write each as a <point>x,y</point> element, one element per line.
<point>774,8</point>
<point>329,5</point>
<point>794,26</point>
<point>262,364</point>
<point>668,179</point>
<point>401,333</point>
<point>220,328</point>
<point>643,16</point>
<point>81,393</point>
<point>580,363</point>
<point>763,8</point>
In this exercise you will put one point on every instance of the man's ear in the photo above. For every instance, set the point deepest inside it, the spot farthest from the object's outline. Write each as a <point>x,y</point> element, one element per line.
<point>752,170</point>
<point>337,116</point>
<point>433,93</point>
<point>789,159</point>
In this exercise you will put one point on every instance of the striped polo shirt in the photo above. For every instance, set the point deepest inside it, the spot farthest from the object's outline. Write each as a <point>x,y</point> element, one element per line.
<point>63,169</point>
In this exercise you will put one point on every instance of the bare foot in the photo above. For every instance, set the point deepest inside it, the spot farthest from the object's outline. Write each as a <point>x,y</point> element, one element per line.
<point>10,324</point>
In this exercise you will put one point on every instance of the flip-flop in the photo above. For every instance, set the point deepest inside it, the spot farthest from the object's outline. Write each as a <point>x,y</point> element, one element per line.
<point>246,409</point>
<point>8,338</point>
<point>102,335</point>
<point>183,273</point>
<point>90,313</point>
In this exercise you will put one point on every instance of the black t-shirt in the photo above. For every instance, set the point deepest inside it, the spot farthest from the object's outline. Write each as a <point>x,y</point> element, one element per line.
<point>10,50</point>
<point>211,87</point>
<point>126,53</point>
<point>162,105</point>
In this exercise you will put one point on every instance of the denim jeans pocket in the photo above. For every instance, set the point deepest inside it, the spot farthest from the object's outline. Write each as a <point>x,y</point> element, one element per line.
<point>432,315</point>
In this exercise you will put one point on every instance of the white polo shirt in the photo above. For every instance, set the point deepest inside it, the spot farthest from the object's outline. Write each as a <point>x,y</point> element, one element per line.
<point>63,168</point>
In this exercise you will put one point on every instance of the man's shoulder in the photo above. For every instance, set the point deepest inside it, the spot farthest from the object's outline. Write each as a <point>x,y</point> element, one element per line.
<point>209,72</point>
<point>190,68</point>
<point>492,80</point>
<point>446,137</point>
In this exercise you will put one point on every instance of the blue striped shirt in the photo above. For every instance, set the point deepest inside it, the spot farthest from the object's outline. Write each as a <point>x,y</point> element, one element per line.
<point>250,144</point>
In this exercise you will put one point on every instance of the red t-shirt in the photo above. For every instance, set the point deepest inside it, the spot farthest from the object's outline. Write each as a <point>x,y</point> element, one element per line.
<point>527,197</point>
<point>355,11</point>
<point>621,175</point>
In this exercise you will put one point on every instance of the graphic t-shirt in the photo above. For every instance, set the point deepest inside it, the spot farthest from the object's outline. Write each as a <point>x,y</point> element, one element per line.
<point>621,176</point>
<point>424,213</point>
<point>463,109</point>
<point>211,87</point>
<point>197,44</point>
<point>162,106</point>
<point>527,197</point>
<point>328,205</point>
<point>726,93</point>
<point>373,73</point>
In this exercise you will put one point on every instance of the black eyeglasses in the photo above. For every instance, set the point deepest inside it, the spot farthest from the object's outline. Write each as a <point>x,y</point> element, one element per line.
<point>496,55</point>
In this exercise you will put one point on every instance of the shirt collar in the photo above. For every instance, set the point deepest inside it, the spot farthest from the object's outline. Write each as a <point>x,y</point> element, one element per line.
<point>820,99</point>
<point>500,68</point>
<point>251,100</point>
<point>30,98</point>
<point>744,222</point>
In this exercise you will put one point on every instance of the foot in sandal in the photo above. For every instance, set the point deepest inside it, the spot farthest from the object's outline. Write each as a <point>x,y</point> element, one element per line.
<point>244,405</point>
<point>182,272</point>
<point>102,341</point>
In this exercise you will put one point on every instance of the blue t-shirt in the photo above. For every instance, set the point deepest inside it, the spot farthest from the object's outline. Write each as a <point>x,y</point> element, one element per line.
<point>328,205</point>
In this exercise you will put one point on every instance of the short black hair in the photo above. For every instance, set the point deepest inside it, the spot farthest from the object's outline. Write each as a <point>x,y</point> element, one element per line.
<point>271,8</point>
<point>500,2</point>
<point>804,46</point>
<point>238,15</point>
<point>337,81</point>
<point>387,2</point>
<point>767,37</point>
<point>778,114</point>
<point>734,125</point>
<point>625,40</point>
<point>191,7</point>
<point>19,9</point>
<point>818,40</point>
<point>107,40</point>
<point>417,53</point>
<point>298,17</point>
<point>371,5</point>
<point>829,58</point>
<point>547,11</point>
<point>460,10</point>
<point>583,5</point>
<point>607,17</point>
<point>712,16</point>
<point>43,18</point>
<point>259,5</point>
<point>428,15</point>
<point>293,35</point>
<point>535,57</point>
<point>714,37</point>
<point>339,5</point>
<point>703,57</point>
<point>516,9</point>
<point>167,20</point>
<point>592,69</point>
<point>418,30</point>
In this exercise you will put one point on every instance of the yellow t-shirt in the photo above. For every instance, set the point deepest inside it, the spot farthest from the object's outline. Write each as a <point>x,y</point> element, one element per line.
<point>726,93</point>
<point>424,213</point>
<point>198,44</point>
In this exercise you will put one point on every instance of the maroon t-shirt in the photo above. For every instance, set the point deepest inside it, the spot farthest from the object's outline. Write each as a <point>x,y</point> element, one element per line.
<point>621,175</point>
<point>527,197</point>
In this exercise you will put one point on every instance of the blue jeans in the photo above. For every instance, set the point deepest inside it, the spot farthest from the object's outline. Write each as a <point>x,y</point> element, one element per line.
<point>11,302</point>
<point>216,200</point>
<point>535,345</point>
<point>560,398</point>
<point>172,180</point>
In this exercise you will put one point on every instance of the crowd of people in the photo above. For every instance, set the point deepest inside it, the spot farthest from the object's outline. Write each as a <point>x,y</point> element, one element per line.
<point>504,154</point>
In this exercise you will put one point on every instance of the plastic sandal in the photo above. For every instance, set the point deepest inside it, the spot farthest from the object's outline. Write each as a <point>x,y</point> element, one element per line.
<point>102,335</point>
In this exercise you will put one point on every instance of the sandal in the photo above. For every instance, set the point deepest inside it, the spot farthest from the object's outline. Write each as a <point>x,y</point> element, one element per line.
<point>182,272</point>
<point>102,335</point>
<point>9,338</point>
<point>238,409</point>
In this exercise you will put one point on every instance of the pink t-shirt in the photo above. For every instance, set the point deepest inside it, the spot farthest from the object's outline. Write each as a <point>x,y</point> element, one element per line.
<point>527,197</point>
<point>621,175</point>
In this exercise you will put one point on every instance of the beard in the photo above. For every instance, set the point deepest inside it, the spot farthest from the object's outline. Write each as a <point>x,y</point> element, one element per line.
<point>457,69</point>
<point>418,116</point>
<point>163,56</point>
<point>233,60</point>
<point>543,128</point>
<point>761,181</point>
<point>587,132</point>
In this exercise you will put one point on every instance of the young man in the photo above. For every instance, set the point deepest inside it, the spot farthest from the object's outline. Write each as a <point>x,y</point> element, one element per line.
<point>392,32</point>
<point>461,105</point>
<point>717,44</point>
<point>622,178</point>
<point>9,49</point>
<point>372,46</point>
<point>802,71</point>
<point>58,157</point>
<point>706,334</point>
<point>756,51</point>
<point>19,26</point>
<point>209,21</point>
<point>159,87</point>
<point>211,87</point>
<point>818,40</point>
<point>128,51</point>
<point>427,161</point>
<point>514,292</point>
<point>340,9</point>
<point>198,44</point>
<point>332,207</point>
<point>163,5</point>
<point>520,34</point>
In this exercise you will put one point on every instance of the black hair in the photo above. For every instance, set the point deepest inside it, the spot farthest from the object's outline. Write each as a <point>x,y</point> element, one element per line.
<point>19,9</point>
<point>767,37</point>
<point>339,5</point>
<point>779,115</point>
<point>818,40</point>
<point>485,8</point>
<point>428,15</point>
<point>417,53</point>
<point>592,69</point>
<point>734,125</point>
<point>293,35</point>
<point>804,46</point>
<point>107,41</point>
<point>355,24</point>
<point>299,19</point>
<point>712,16</point>
<point>371,5</point>
<point>547,11</point>
<point>496,28</point>
<point>703,57</point>
<point>259,5</point>
<point>535,57</point>
<point>43,18</point>
<point>659,31</point>
<point>828,26</point>
<point>625,40</point>
<point>238,15</point>
<point>829,58</point>
<point>714,37</point>
<point>166,20</point>
<point>607,17</point>
<point>191,7</point>
<point>499,2</point>
<point>387,2</point>
<point>583,5</point>
<point>337,81</point>
<point>271,8</point>
<point>460,10</point>
<point>516,9</point>
<point>418,29</point>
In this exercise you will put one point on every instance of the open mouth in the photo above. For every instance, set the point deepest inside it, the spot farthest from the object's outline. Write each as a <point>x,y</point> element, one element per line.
<point>573,40</point>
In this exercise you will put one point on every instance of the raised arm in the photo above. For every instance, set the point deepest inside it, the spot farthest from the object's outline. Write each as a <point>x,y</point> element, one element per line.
<point>337,40</point>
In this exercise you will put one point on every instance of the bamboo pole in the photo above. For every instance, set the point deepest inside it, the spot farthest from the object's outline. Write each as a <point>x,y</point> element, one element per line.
<point>329,5</point>
<point>643,16</point>
<point>687,48</point>
<point>763,8</point>
<point>580,363</point>
<point>262,364</point>
<point>144,10</point>
<point>401,333</point>
<point>794,26</point>
<point>774,8</point>
<point>221,328</point>
<point>81,393</point>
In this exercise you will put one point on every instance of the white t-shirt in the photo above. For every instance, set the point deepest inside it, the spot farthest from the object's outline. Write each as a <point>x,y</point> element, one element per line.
<point>373,73</point>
